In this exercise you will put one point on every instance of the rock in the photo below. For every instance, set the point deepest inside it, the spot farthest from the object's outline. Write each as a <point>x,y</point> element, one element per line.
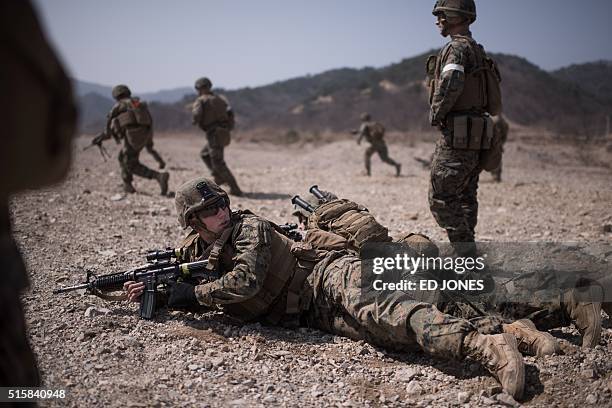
<point>589,373</point>
<point>217,361</point>
<point>607,228</point>
<point>487,401</point>
<point>193,367</point>
<point>96,311</point>
<point>414,388</point>
<point>493,390</point>
<point>118,197</point>
<point>591,399</point>
<point>463,397</point>
<point>406,374</point>
<point>506,399</point>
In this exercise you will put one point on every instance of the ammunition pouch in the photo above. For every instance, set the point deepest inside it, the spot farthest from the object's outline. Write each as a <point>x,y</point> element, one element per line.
<point>471,132</point>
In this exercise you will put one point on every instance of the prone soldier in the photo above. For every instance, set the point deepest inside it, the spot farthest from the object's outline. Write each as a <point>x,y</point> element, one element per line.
<point>38,124</point>
<point>317,282</point>
<point>215,117</point>
<point>130,120</point>
<point>374,133</point>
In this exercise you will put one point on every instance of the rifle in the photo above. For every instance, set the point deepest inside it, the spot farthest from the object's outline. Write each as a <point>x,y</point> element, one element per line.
<point>97,141</point>
<point>164,267</point>
<point>291,230</point>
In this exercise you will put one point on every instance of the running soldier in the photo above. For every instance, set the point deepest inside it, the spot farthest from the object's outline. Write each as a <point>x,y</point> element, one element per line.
<point>374,133</point>
<point>215,117</point>
<point>130,120</point>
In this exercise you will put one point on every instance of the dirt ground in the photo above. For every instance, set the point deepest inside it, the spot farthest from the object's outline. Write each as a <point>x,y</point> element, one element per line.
<point>110,357</point>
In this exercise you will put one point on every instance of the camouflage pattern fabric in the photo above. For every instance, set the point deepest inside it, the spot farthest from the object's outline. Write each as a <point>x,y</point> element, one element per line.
<point>501,128</point>
<point>453,190</point>
<point>130,164</point>
<point>392,320</point>
<point>212,156</point>
<point>377,145</point>
<point>454,173</point>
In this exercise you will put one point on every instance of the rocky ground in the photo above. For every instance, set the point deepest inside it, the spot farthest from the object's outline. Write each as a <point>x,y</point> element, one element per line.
<point>104,355</point>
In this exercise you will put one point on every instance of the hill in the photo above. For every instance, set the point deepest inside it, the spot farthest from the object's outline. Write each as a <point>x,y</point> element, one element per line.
<point>567,101</point>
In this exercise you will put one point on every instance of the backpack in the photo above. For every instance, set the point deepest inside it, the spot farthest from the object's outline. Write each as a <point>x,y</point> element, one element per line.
<point>377,131</point>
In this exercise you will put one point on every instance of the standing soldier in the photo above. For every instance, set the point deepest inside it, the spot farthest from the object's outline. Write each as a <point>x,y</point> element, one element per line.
<point>500,129</point>
<point>464,86</point>
<point>215,117</point>
<point>130,120</point>
<point>38,122</point>
<point>374,132</point>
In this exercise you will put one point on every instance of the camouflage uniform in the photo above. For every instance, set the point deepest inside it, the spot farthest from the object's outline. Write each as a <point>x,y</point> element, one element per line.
<point>38,122</point>
<point>500,128</point>
<point>454,172</point>
<point>215,117</point>
<point>377,145</point>
<point>135,138</point>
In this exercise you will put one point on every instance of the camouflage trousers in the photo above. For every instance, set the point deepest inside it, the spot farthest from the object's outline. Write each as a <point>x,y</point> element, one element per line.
<point>212,156</point>
<point>453,191</point>
<point>130,165</point>
<point>339,304</point>
<point>17,363</point>
<point>383,153</point>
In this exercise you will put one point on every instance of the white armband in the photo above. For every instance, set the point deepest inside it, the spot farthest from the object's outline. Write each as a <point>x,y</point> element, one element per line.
<point>453,67</point>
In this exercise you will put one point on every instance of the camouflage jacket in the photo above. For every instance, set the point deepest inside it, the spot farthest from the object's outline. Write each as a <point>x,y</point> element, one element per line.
<point>244,263</point>
<point>212,110</point>
<point>455,60</point>
<point>372,132</point>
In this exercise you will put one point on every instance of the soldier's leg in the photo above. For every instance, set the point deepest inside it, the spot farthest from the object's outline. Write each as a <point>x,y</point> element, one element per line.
<point>134,166</point>
<point>126,174</point>
<point>205,155</point>
<point>469,201</point>
<point>452,173</point>
<point>395,319</point>
<point>221,170</point>
<point>383,153</point>
<point>367,159</point>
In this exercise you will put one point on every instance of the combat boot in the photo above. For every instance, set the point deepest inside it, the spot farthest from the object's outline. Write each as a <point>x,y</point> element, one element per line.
<point>128,188</point>
<point>500,355</point>
<point>531,341</point>
<point>162,179</point>
<point>398,169</point>
<point>585,311</point>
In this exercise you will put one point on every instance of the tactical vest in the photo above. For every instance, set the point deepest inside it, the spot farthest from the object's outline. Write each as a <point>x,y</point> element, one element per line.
<point>481,92</point>
<point>214,112</point>
<point>349,220</point>
<point>135,122</point>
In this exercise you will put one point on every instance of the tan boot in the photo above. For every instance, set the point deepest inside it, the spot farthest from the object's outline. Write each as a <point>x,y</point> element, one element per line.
<point>582,307</point>
<point>500,355</point>
<point>530,340</point>
<point>163,182</point>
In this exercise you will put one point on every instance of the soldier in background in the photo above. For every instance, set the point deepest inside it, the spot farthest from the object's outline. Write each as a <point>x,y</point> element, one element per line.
<point>215,117</point>
<point>38,118</point>
<point>500,126</point>
<point>458,109</point>
<point>130,120</point>
<point>374,132</point>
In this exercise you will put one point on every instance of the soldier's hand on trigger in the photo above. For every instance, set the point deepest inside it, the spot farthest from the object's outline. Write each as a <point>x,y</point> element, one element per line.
<point>134,290</point>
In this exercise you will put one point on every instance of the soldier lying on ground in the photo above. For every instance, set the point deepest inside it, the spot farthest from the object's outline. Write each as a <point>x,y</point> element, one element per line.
<point>553,309</point>
<point>316,283</point>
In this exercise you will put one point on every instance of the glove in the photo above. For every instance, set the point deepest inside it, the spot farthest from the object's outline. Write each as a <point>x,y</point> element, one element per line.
<point>182,295</point>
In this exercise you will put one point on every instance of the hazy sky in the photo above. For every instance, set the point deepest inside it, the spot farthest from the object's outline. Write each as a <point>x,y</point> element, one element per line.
<point>157,44</point>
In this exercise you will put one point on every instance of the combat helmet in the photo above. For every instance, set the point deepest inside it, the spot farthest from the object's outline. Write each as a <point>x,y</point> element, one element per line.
<point>365,116</point>
<point>121,91</point>
<point>456,8</point>
<point>203,83</point>
<point>196,195</point>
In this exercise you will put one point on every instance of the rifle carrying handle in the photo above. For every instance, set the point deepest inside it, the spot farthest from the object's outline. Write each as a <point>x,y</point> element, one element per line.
<point>149,298</point>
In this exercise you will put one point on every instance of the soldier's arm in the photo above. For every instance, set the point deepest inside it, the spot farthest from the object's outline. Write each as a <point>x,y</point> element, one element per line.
<point>251,262</point>
<point>112,115</point>
<point>362,133</point>
<point>197,110</point>
<point>450,85</point>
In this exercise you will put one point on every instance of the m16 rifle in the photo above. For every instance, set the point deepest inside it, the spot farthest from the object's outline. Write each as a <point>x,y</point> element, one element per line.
<point>164,267</point>
<point>97,141</point>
